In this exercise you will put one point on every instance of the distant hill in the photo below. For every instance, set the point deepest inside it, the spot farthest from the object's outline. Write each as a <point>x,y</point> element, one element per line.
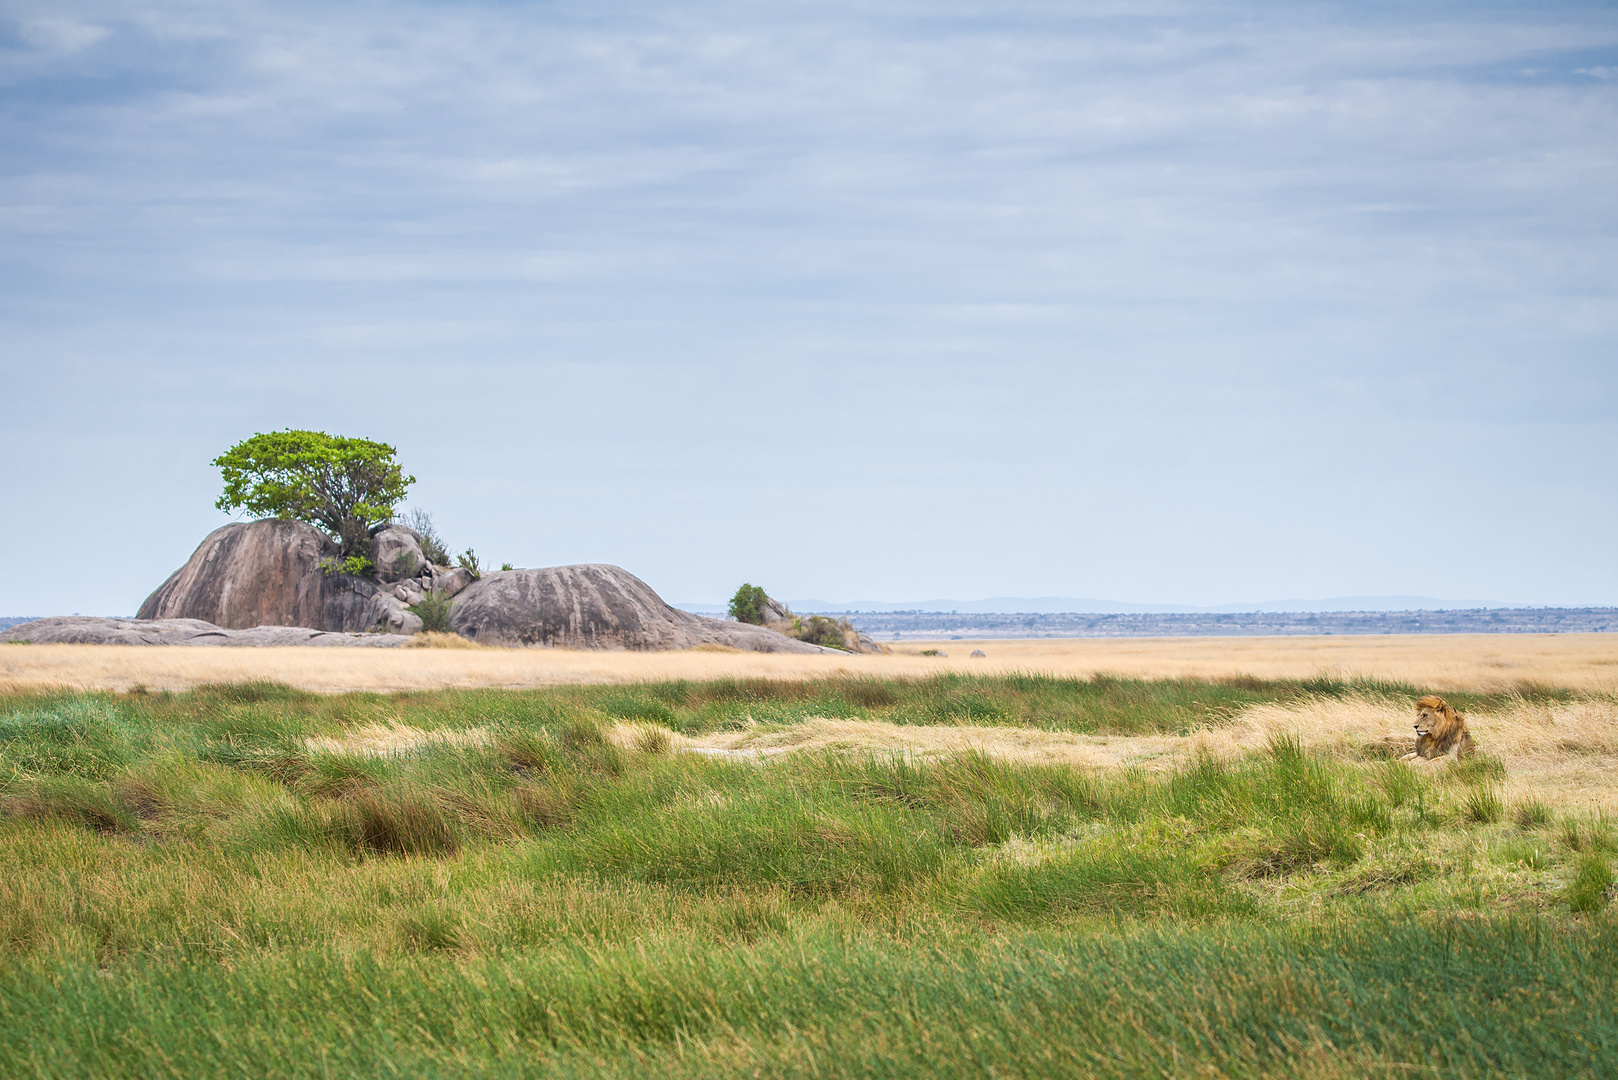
<point>7,621</point>
<point>921,625</point>
<point>1061,605</point>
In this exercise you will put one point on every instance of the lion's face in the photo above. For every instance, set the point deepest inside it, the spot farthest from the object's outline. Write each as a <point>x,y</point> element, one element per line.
<point>1425,719</point>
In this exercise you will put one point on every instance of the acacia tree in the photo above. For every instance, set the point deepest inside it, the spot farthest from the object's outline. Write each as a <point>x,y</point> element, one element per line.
<point>748,604</point>
<point>345,486</point>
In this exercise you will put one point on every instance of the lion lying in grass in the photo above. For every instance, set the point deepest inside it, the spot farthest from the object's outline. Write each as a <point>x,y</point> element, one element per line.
<point>1440,731</point>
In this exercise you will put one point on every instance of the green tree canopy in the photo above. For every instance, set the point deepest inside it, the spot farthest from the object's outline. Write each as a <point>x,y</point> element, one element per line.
<point>748,605</point>
<point>344,486</point>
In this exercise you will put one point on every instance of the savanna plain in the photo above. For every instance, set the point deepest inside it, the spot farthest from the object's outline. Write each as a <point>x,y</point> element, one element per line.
<point>1121,859</point>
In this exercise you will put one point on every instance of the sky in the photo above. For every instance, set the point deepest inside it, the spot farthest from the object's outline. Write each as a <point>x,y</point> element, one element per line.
<point>1152,302</point>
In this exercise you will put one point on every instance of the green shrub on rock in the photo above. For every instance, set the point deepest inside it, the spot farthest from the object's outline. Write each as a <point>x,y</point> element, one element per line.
<point>824,631</point>
<point>433,611</point>
<point>747,605</point>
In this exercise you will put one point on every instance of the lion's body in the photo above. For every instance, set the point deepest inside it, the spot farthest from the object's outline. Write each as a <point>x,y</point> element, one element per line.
<point>1440,730</point>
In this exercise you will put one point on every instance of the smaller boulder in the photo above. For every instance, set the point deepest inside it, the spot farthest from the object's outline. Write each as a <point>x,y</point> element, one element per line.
<point>396,551</point>
<point>867,644</point>
<point>979,652</point>
<point>775,614</point>
<point>400,621</point>
<point>450,582</point>
<point>408,592</point>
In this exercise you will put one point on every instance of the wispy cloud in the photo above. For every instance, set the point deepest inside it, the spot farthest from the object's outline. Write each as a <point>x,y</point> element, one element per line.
<point>1144,261</point>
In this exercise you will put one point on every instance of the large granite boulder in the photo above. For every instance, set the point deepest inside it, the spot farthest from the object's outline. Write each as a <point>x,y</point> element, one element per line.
<point>85,630</point>
<point>595,606</point>
<point>250,576</point>
<point>271,573</point>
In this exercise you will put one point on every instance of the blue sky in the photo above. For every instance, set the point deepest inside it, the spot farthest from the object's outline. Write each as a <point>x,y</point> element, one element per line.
<point>1153,302</point>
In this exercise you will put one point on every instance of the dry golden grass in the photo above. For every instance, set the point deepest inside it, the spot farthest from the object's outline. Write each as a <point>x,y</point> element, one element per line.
<point>1587,662</point>
<point>435,639</point>
<point>382,740</point>
<point>1565,754</point>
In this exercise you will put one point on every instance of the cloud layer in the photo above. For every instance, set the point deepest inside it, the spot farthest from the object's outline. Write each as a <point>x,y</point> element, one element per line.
<point>1161,303</point>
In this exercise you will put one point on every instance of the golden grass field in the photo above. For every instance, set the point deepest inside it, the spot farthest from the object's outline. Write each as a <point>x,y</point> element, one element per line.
<point>1564,754</point>
<point>1584,662</point>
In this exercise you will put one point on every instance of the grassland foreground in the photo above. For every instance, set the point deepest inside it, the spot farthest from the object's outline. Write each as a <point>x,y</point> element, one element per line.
<point>908,867</point>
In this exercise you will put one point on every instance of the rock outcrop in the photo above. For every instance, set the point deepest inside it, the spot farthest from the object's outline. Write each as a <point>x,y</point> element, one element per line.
<point>254,577</point>
<point>595,606</point>
<point>84,630</point>
<point>271,573</point>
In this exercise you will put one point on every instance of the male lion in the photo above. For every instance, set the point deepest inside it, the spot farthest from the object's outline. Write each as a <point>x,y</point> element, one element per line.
<point>1440,730</point>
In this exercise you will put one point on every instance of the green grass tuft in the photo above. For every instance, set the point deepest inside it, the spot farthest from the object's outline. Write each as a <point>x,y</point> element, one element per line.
<point>1592,886</point>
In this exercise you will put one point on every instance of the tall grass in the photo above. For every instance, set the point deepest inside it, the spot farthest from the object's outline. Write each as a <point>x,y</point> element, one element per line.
<point>1515,998</point>
<point>223,882</point>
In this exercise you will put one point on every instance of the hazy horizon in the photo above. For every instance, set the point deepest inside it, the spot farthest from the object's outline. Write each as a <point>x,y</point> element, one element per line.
<point>1175,303</point>
<point>1057,605</point>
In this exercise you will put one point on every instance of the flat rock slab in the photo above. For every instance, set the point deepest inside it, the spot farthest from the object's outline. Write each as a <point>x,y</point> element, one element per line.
<point>86,630</point>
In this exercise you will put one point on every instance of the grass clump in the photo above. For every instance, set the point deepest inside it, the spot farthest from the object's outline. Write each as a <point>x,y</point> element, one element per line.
<point>1482,805</point>
<point>1531,813</point>
<point>1592,885</point>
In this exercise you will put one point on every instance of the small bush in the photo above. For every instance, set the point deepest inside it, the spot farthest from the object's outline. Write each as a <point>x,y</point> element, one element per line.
<point>1588,892</point>
<point>507,566</point>
<point>823,631</point>
<point>433,611</point>
<point>354,565</point>
<point>468,561</point>
<point>748,604</point>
